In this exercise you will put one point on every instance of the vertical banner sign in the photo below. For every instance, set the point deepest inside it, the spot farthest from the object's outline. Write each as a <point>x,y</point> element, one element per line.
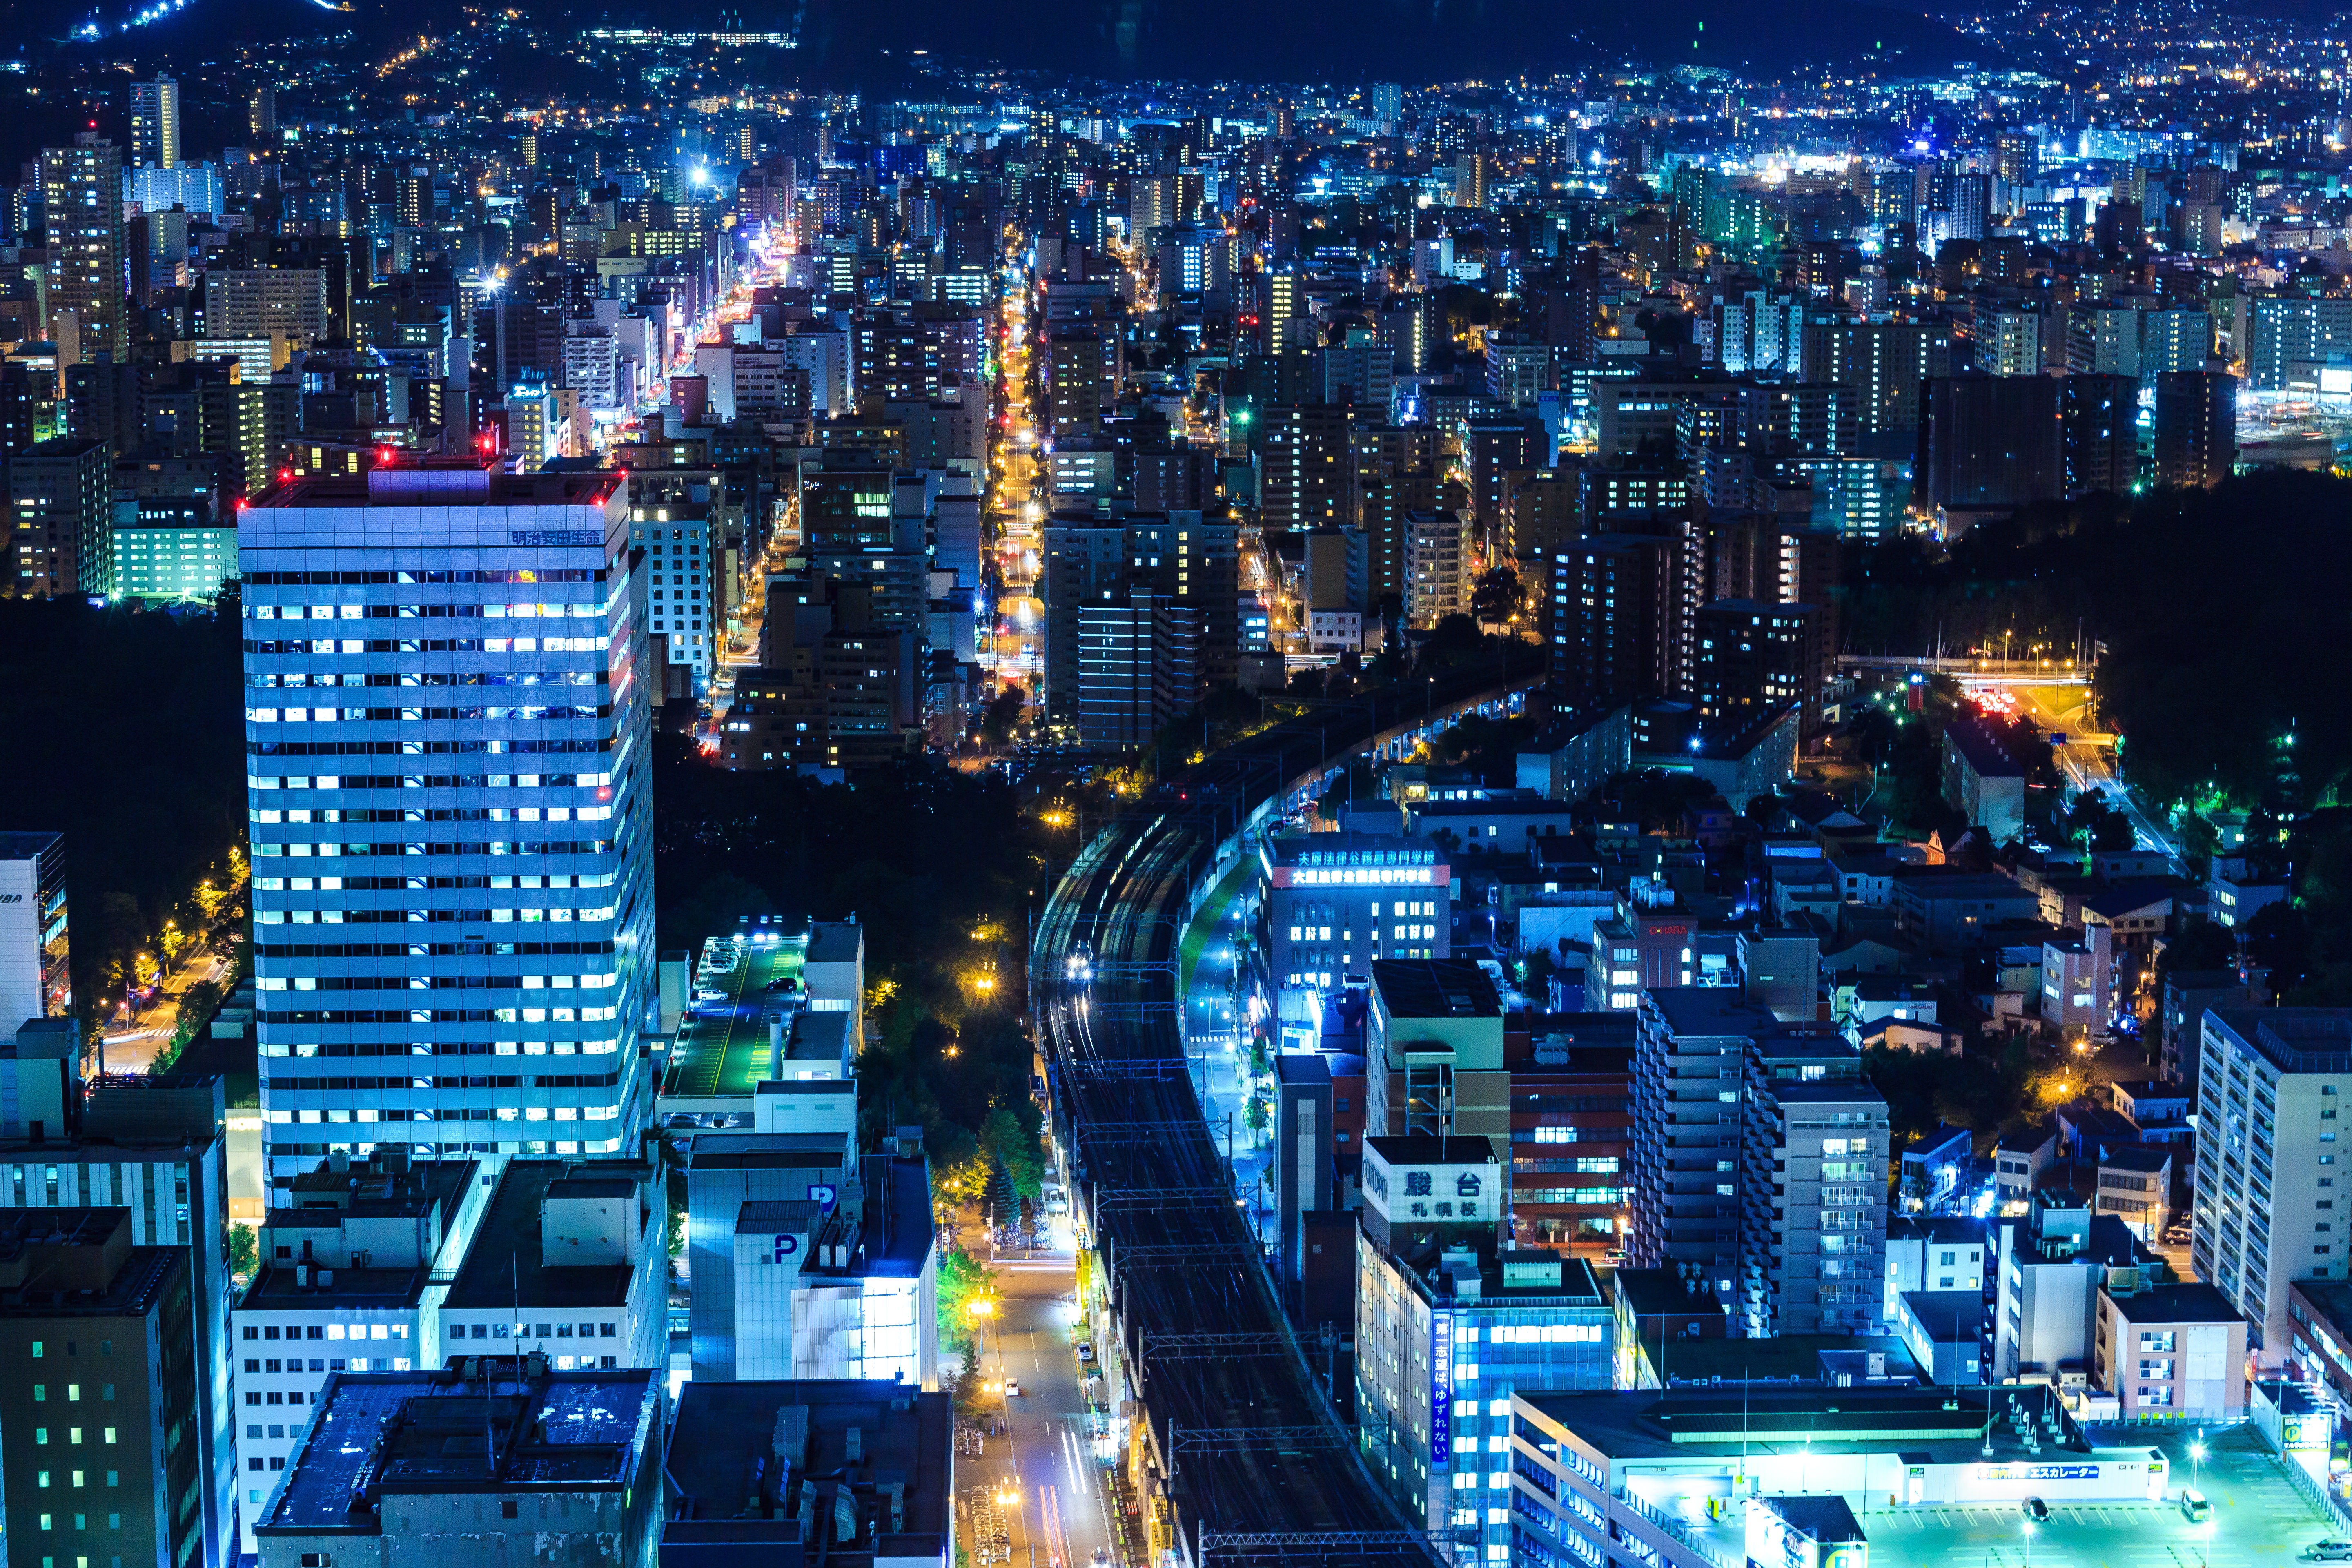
<point>1440,1391</point>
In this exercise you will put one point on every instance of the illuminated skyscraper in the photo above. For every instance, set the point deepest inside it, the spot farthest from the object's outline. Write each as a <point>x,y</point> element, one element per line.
<point>155,124</point>
<point>81,222</point>
<point>450,821</point>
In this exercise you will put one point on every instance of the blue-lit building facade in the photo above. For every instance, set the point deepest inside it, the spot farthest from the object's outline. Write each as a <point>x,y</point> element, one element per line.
<point>1336,901</point>
<point>450,819</point>
<point>1450,1322</point>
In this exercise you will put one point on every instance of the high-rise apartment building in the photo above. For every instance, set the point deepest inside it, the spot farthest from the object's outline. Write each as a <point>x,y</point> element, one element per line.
<point>1617,629</point>
<point>82,224</point>
<point>1759,1160</point>
<point>2098,433</point>
<point>155,124</point>
<point>1755,659</point>
<point>2270,1163</point>
<point>2196,427</point>
<point>483,792</point>
<point>1888,364</point>
<point>61,517</point>
<point>34,978</point>
<point>263,302</point>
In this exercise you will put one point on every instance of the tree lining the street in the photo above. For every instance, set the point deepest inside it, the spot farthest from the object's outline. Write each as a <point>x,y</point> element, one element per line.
<point>125,732</point>
<point>939,867</point>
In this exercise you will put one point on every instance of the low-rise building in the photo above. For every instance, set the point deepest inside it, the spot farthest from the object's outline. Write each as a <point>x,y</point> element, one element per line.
<point>1935,1173</point>
<point>2171,1348</point>
<point>2136,1186</point>
<point>473,1464</point>
<point>860,1474</point>
<point>1504,826</point>
<point>2077,984</point>
<point>1948,910</point>
<point>2018,1158</point>
<point>2052,1260</point>
<point>353,1268</point>
<point>1936,1255</point>
<point>1944,1329</point>
<point>1982,781</point>
<point>1605,1477</point>
<point>572,1260</point>
<point>1578,754</point>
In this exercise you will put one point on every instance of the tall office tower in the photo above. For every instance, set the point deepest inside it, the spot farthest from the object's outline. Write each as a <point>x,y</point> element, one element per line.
<point>2271,1087</point>
<point>34,980</point>
<point>155,124</point>
<point>505,767</point>
<point>82,224</point>
<point>261,115</point>
<point>2196,427</point>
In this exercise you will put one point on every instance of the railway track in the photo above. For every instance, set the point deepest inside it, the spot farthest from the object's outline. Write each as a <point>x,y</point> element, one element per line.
<point>1243,1448</point>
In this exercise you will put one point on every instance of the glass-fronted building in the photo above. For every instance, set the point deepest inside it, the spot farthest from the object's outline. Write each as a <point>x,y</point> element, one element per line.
<point>448,723</point>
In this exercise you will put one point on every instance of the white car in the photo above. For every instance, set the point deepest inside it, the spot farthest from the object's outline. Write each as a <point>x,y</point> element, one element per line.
<point>1011,1389</point>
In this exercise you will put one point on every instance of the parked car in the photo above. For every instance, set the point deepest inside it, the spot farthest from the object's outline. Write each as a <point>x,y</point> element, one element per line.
<point>2328,1552</point>
<point>2037,1510</point>
<point>2193,1506</point>
<point>1086,1350</point>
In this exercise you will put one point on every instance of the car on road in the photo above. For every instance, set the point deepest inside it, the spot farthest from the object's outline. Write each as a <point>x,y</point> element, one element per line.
<point>1612,1258</point>
<point>2328,1552</point>
<point>2193,1506</point>
<point>1012,1388</point>
<point>2037,1510</point>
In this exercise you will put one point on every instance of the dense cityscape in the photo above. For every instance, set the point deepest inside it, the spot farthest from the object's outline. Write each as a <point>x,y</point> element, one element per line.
<point>1584,818</point>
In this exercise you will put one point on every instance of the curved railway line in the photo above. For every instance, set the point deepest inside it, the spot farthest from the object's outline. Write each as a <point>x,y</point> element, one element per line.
<point>1244,1449</point>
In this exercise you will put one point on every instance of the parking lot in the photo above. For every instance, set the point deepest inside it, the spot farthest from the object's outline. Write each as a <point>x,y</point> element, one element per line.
<point>2258,1520</point>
